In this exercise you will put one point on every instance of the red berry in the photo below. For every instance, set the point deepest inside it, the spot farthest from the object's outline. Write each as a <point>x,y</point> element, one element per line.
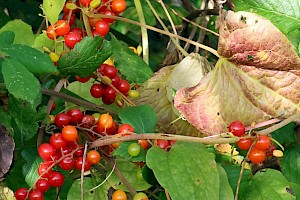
<point>257,156</point>
<point>163,144</point>
<point>62,27</point>
<point>118,6</point>
<point>72,18</point>
<point>144,144</point>
<point>244,144</point>
<point>51,32</point>
<point>76,115</point>
<point>85,3</point>
<point>125,128</point>
<point>46,151</point>
<point>172,142</point>
<point>21,193</point>
<point>124,86</point>
<point>102,27</point>
<point>79,152</point>
<point>79,163</point>
<point>109,71</point>
<point>96,90</point>
<point>93,157</point>
<point>83,80</point>
<point>56,179</point>
<point>77,30</point>
<point>58,141</point>
<point>43,167</point>
<point>70,133</point>
<point>87,121</point>
<point>36,194</point>
<point>237,128</point>
<point>116,81</point>
<point>109,93</point>
<point>67,163</point>
<point>263,142</point>
<point>62,120</point>
<point>43,185</point>
<point>72,38</point>
<point>109,13</point>
<point>270,150</point>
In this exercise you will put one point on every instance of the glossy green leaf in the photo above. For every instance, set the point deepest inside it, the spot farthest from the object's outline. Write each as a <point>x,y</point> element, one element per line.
<point>149,176</point>
<point>85,58</point>
<point>233,173</point>
<point>23,120</point>
<point>283,14</point>
<point>144,120</point>
<point>20,82</point>
<point>269,184</point>
<point>122,151</point>
<point>23,32</point>
<point>42,40</point>
<point>226,192</point>
<point>128,63</point>
<point>290,163</point>
<point>187,171</point>
<point>129,170</point>
<point>285,135</point>
<point>30,169</point>
<point>52,9</point>
<point>6,37</point>
<point>34,60</point>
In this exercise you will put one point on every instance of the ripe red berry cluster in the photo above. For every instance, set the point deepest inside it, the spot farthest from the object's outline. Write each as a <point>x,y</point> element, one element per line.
<point>106,92</point>
<point>99,26</point>
<point>262,147</point>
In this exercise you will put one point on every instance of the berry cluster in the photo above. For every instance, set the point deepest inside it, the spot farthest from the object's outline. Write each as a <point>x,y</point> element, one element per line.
<point>261,149</point>
<point>99,26</point>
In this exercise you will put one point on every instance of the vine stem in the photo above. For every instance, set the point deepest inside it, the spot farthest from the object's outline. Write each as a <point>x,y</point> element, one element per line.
<point>107,140</point>
<point>211,50</point>
<point>82,172</point>
<point>145,42</point>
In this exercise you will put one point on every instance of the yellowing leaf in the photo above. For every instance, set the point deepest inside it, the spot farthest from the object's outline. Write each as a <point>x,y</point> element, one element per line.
<point>160,89</point>
<point>229,93</point>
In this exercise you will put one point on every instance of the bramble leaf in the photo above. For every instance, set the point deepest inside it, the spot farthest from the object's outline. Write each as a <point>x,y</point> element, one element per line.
<point>142,118</point>
<point>34,60</point>
<point>85,58</point>
<point>20,82</point>
<point>128,63</point>
<point>269,184</point>
<point>187,171</point>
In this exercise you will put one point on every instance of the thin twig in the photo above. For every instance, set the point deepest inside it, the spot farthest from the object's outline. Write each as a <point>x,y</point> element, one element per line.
<point>107,140</point>
<point>167,194</point>
<point>279,125</point>
<point>82,172</point>
<point>121,177</point>
<point>213,51</point>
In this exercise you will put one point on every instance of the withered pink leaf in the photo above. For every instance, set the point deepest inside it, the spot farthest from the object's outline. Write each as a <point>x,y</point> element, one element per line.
<point>246,93</point>
<point>249,39</point>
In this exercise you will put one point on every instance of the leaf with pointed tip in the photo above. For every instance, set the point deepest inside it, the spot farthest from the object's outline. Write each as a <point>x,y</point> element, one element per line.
<point>85,58</point>
<point>35,61</point>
